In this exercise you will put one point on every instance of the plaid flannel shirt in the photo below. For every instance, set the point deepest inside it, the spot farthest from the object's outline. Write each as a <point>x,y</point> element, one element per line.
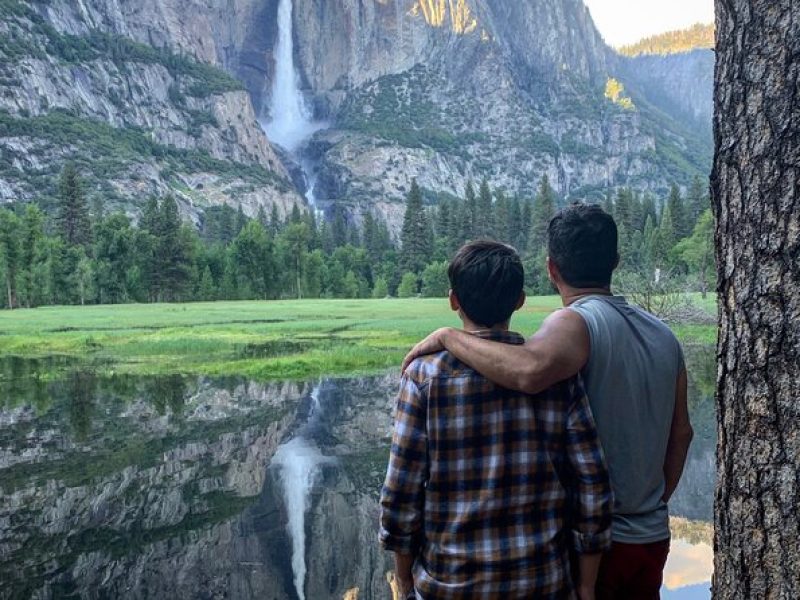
<point>489,487</point>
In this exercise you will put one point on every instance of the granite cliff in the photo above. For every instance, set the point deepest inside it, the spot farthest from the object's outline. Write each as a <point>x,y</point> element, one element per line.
<point>135,95</point>
<point>166,96</point>
<point>447,91</point>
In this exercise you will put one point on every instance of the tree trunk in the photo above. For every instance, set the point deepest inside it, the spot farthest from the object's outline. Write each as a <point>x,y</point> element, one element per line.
<point>755,185</point>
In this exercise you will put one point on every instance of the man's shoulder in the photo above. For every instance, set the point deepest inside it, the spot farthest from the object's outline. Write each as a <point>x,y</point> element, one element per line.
<point>431,366</point>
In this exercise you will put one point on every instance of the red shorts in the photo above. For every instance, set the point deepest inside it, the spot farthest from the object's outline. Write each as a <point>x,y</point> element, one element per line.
<point>632,571</point>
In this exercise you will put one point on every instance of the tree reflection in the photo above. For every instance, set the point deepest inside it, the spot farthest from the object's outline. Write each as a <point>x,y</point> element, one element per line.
<point>167,392</point>
<point>80,388</point>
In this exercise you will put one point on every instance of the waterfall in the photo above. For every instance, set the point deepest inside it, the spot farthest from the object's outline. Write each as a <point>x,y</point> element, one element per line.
<point>291,124</point>
<point>299,462</point>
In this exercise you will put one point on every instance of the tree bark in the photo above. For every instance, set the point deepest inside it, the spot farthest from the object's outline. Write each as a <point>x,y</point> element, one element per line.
<point>755,186</point>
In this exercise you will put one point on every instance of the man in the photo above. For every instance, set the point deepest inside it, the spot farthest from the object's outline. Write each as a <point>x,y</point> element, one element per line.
<point>484,484</point>
<point>636,382</point>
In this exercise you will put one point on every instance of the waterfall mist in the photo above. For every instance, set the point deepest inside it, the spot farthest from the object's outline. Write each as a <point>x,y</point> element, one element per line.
<point>291,122</point>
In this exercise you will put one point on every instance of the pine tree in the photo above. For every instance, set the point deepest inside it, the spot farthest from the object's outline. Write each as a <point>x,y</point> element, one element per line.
<point>416,235</point>
<point>114,253</point>
<point>227,224</point>
<point>697,250</point>
<point>150,217</point>
<point>73,215</point>
<point>262,217</point>
<point>241,221</point>
<point>31,253</point>
<point>526,224</point>
<point>515,225</point>
<point>649,209</point>
<point>443,224</point>
<point>326,238</point>
<point>677,209</point>
<point>484,215</point>
<point>665,237</point>
<point>314,274</point>
<point>623,210</point>
<point>274,221</point>
<point>354,237</point>
<point>469,214</point>
<point>172,260</point>
<point>310,219</point>
<point>543,210</point>
<point>502,219</point>
<point>637,212</point>
<point>697,200</point>
<point>207,290</point>
<point>251,255</point>
<point>296,237</point>
<point>9,254</point>
<point>295,216</point>
<point>649,244</point>
<point>339,229</point>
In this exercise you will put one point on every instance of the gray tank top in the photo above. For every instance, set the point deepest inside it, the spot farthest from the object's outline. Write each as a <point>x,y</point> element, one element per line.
<point>630,378</point>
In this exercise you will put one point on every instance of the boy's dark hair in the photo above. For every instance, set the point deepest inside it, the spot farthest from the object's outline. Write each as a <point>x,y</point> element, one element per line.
<point>582,242</point>
<point>487,278</point>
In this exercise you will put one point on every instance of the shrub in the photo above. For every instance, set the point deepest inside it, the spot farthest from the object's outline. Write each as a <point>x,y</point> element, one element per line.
<point>409,286</point>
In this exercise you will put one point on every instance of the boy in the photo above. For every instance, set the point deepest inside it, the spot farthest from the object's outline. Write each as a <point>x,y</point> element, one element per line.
<point>488,489</point>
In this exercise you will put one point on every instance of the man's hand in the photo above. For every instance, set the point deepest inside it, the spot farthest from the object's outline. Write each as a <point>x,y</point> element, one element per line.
<point>406,588</point>
<point>430,345</point>
<point>403,564</point>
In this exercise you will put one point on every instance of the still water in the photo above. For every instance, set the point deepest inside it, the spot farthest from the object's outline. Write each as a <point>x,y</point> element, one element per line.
<point>170,487</point>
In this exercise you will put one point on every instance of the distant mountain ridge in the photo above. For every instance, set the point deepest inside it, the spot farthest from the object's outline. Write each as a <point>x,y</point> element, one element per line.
<point>698,36</point>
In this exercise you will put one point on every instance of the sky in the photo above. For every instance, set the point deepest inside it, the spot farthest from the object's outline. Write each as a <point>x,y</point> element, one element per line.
<point>626,21</point>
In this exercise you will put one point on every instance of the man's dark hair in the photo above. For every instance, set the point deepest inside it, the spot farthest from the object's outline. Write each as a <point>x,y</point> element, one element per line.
<point>582,242</point>
<point>487,278</point>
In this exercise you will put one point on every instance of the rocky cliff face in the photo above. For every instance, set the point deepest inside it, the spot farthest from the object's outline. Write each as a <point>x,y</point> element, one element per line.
<point>679,84</point>
<point>128,91</point>
<point>439,90</point>
<point>445,92</point>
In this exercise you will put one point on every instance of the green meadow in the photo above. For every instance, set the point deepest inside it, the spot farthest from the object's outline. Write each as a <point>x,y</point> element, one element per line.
<point>293,339</point>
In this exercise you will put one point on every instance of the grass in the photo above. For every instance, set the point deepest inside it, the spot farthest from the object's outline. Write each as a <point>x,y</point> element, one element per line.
<point>260,340</point>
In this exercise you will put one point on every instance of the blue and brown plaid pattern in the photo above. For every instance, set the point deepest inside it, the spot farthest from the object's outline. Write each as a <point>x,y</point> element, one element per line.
<point>489,487</point>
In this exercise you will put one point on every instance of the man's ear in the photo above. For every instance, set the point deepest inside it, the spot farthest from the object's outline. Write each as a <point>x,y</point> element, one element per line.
<point>454,304</point>
<point>552,271</point>
<point>521,301</point>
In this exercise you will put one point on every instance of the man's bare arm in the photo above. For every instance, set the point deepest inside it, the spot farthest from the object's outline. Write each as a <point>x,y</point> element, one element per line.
<point>588,568</point>
<point>403,565</point>
<point>680,436</point>
<point>558,351</point>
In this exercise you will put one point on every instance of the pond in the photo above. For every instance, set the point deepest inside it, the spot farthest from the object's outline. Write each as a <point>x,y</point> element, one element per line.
<point>168,487</point>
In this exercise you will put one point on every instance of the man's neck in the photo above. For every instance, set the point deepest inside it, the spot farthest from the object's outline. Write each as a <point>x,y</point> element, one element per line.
<point>569,295</point>
<point>471,327</point>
